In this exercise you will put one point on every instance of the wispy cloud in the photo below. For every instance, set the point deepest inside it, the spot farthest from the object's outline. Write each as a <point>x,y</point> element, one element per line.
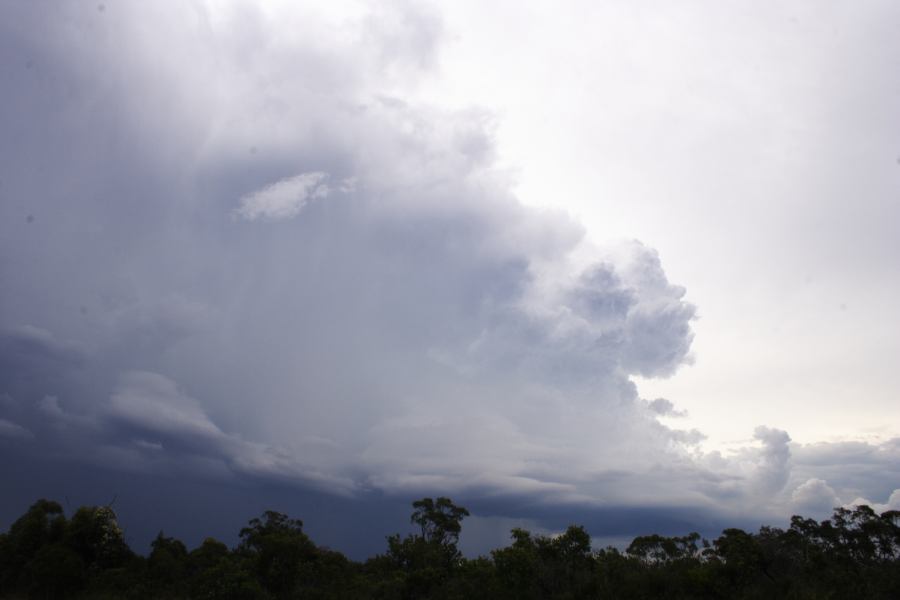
<point>12,430</point>
<point>285,198</point>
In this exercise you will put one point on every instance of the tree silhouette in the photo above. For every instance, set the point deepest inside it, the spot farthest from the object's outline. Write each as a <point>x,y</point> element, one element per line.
<point>275,546</point>
<point>440,520</point>
<point>854,554</point>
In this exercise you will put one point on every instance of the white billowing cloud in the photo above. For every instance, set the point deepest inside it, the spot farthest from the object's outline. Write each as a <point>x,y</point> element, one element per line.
<point>773,468</point>
<point>893,503</point>
<point>814,497</point>
<point>754,477</point>
<point>283,199</point>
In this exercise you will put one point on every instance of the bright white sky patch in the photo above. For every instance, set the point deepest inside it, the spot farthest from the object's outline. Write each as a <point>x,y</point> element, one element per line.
<point>754,145</point>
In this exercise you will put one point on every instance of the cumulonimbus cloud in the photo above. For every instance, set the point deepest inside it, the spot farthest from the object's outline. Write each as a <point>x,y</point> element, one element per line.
<point>421,330</point>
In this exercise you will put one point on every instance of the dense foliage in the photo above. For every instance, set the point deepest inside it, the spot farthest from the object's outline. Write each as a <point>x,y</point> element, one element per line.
<point>855,554</point>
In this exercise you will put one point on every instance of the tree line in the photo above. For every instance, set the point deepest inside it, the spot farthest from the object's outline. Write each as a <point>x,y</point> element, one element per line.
<point>854,554</point>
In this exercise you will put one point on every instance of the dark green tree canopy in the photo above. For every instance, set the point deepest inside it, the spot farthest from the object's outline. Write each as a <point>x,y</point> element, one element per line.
<point>440,520</point>
<point>854,554</point>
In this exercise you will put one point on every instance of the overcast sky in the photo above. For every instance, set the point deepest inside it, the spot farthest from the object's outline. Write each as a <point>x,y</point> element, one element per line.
<point>627,264</point>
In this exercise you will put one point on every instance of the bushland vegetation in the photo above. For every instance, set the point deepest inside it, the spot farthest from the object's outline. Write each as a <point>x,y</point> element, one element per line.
<point>854,554</point>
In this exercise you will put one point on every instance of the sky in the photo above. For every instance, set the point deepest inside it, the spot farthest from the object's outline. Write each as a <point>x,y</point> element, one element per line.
<point>632,265</point>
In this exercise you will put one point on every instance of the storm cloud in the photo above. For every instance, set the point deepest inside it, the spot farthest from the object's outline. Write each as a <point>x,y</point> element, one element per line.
<point>243,255</point>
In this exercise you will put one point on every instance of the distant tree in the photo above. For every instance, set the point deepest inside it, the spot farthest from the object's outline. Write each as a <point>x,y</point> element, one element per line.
<point>560,566</point>
<point>275,545</point>
<point>216,573</point>
<point>207,555</point>
<point>518,566</point>
<point>94,533</point>
<point>616,573</point>
<point>43,524</point>
<point>741,556</point>
<point>418,565</point>
<point>660,549</point>
<point>55,571</point>
<point>167,565</point>
<point>440,520</point>
<point>854,554</point>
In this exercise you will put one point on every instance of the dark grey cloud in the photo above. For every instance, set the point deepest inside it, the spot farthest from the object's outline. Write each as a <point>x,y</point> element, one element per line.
<point>852,472</point>
<point>11,430</point>
<point>29,354</point>
<point>361,289</point>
